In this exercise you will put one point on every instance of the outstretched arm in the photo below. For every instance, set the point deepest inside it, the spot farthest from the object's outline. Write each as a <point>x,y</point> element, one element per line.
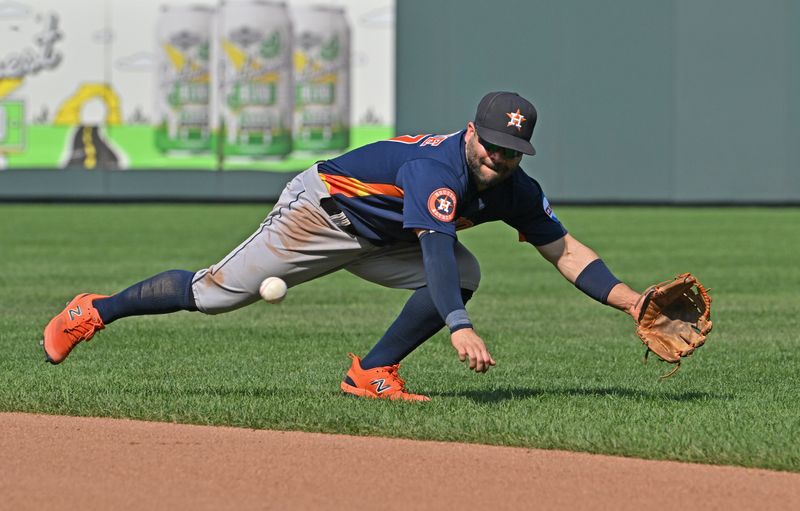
<point>441,271</point>
<point>582,266</point>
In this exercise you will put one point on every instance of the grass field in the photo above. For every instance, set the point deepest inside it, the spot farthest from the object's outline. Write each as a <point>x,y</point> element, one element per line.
<point>569,373</point>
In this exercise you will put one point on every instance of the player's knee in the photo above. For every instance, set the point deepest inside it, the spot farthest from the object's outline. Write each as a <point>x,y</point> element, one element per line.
<point>469,271</point>
<point>220,303</point>
<point>213,295</point>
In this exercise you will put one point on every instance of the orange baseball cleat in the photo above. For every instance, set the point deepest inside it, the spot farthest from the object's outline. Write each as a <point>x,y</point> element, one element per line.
<point>378,383</point>
<point>77,322</point>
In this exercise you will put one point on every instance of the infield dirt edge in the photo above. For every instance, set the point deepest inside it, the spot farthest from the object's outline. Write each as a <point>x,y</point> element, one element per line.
<point>55,462</point>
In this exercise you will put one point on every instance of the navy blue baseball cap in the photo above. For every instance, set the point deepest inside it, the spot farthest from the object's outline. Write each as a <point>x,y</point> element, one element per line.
<point>506,119</point>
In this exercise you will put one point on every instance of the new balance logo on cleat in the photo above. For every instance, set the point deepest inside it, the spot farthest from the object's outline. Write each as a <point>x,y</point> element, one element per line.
<point>77,322</point>
<point>75,312</point>
<point>380,385</point>
<point>377,383</point>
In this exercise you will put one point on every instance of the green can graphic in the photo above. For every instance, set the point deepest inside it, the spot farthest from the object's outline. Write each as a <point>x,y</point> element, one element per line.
<point>183,80</point>
<point>253,97</point>
<point>12,126</point>
<point>322,79</point>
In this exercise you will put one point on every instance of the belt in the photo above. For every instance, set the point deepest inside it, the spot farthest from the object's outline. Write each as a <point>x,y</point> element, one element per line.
<point>337,215</point>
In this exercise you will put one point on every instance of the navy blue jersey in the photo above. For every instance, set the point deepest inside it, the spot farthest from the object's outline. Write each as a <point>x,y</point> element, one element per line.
<point>389,188</point>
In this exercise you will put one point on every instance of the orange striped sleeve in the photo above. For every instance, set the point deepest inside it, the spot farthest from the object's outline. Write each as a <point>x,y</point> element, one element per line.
<point>351,187</point>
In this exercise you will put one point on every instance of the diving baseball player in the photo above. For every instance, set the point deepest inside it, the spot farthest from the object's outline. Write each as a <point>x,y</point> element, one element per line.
<point>389,213</point>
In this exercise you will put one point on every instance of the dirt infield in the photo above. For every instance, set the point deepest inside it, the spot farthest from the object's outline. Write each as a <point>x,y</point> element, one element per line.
<point>51,462</point>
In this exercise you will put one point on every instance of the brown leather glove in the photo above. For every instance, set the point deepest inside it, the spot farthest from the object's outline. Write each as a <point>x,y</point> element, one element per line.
<point>674,319</point>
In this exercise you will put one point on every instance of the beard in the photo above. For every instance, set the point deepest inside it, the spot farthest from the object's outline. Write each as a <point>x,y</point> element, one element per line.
<point>474,162</point>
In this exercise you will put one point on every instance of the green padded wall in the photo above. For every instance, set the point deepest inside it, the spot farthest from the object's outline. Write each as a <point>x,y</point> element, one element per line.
<point>639,100</point>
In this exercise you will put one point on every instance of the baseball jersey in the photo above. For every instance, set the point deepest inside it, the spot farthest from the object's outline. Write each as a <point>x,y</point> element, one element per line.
<point>389,188</point>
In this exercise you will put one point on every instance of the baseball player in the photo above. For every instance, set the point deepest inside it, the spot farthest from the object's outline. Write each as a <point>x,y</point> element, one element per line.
<point>389,213</point>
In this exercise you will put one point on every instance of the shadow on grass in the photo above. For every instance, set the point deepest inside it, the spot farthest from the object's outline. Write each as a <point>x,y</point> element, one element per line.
<point>498,395</point>
<point>478,396</point>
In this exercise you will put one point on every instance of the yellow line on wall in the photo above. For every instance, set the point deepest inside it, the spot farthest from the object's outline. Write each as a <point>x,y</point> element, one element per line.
<point>90,159</point>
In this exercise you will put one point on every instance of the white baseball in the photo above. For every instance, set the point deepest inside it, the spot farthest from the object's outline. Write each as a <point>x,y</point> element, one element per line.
<point>273,290</point>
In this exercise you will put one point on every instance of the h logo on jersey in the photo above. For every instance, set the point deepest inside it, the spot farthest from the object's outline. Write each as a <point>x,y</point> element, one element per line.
<point>380,385</point>
<point>442,204</point>
<point>516,119</point>
<point>74,312</point>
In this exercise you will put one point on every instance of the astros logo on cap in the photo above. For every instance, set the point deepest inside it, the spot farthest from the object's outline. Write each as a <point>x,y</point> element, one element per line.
<point>516,119</point>
<point>442,204</point>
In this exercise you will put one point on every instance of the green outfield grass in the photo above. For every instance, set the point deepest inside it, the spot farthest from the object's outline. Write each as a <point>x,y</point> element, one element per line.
<point>569,373</point>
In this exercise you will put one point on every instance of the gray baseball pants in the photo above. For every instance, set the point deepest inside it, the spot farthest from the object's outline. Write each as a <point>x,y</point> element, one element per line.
<point>299,242</point>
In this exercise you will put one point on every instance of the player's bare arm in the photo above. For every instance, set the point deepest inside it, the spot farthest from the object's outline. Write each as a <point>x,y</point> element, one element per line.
<point>672,318</point>
<point>572,258</point>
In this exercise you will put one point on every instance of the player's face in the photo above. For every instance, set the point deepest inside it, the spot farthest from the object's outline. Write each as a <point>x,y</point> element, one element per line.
<point>489,164</point>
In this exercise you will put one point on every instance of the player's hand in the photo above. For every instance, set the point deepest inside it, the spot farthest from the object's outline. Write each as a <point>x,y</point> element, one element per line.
<point>470,346</point>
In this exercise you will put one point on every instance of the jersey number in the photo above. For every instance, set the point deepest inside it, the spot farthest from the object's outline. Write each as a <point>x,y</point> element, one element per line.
<point>433,140</point>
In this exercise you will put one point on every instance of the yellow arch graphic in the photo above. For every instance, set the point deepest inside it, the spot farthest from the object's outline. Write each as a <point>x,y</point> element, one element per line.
<point>69,113</point>
<point>7,85</point>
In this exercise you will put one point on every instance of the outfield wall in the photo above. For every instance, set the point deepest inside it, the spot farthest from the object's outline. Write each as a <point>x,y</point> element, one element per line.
<point>77,185</point>
<point>639,100</point>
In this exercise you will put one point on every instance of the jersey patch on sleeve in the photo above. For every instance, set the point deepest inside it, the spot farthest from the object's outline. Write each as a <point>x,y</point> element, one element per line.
<point>442,204</point>
<point>548,209</point>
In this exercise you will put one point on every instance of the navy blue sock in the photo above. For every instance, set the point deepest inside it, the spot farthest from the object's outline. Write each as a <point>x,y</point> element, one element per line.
<point>417,323</point>
<point>170,291</point>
